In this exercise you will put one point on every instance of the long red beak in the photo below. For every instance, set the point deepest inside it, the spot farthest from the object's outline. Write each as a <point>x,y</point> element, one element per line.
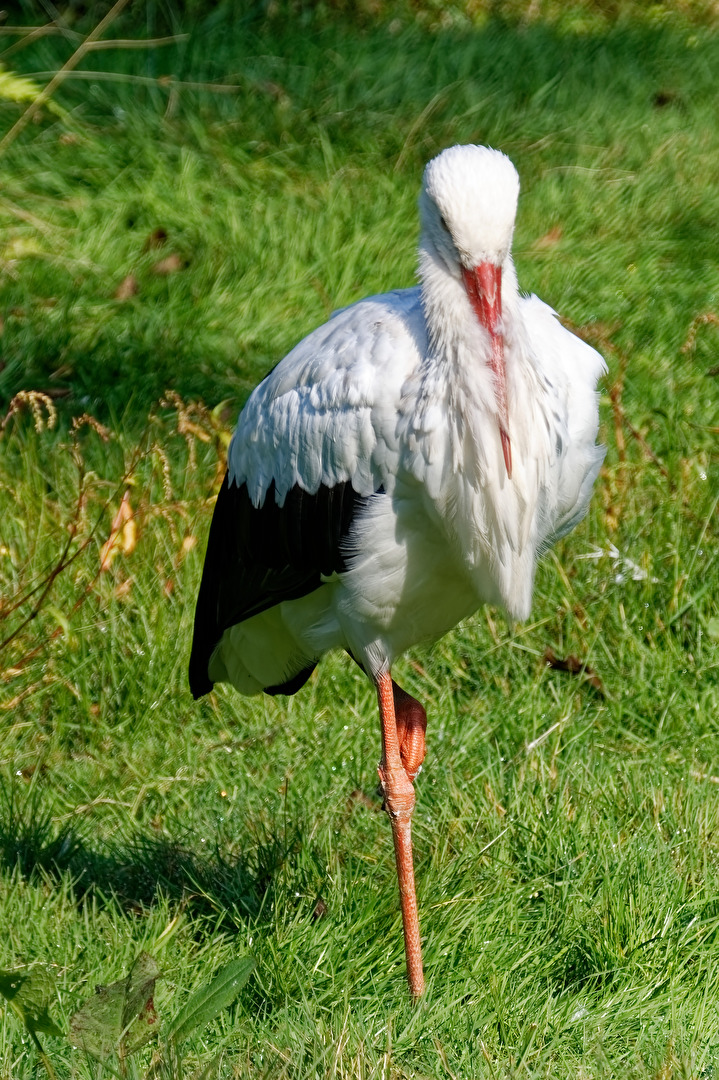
<point>484,289</point>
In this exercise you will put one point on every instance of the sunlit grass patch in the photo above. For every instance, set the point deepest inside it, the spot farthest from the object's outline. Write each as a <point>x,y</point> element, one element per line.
<point>566,861</point>
<point>567,813</point>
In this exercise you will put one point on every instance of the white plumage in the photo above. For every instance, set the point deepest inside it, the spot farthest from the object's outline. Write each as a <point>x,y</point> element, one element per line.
<point>404,464</point>
<point>396,394</point>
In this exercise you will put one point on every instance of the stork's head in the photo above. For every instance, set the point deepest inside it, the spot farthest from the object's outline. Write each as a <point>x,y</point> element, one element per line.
<point>468,205</point>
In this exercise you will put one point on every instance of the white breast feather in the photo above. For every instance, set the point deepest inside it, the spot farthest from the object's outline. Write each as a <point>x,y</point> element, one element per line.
<point>364,399</point>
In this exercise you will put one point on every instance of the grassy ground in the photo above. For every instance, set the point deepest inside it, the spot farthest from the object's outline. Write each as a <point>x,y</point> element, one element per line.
<point>567,827</point>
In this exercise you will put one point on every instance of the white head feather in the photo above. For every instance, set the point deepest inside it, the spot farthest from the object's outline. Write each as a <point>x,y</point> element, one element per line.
<point>468,205</point>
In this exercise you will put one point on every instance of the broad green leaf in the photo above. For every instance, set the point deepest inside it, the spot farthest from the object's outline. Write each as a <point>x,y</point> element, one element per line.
<point>30,993</point>
<point>140,986</point>
<point>97,1025</point>
<point>121,1013</point>
<point>209,1001</point>
<point>141,1030</point>
<point>139,1019</point>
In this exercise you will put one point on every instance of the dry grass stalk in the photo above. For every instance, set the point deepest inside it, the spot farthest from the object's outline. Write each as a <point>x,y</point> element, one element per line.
<point>708,318</point>
<point>35,401</point>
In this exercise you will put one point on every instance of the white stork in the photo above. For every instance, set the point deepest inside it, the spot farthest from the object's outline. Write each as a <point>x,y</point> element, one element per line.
<point>405,463</point>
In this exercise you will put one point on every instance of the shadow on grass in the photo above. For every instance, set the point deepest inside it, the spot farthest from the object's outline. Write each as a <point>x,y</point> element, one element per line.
<point>138,871</point>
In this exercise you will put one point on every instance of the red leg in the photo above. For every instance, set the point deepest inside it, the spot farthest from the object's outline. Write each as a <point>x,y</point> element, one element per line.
<point>399,803</point>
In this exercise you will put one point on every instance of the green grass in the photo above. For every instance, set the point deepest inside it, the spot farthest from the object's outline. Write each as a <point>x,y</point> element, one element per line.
<point>566,834</point>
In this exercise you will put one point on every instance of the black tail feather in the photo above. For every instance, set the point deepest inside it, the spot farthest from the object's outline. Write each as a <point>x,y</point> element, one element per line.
<point>258,557</point>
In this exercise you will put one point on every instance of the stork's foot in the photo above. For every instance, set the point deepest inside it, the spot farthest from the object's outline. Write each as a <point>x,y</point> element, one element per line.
<point>411,721</point>
<point>396,779</point>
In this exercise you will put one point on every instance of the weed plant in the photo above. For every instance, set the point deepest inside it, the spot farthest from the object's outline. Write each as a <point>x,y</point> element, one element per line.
<point>161,247</point>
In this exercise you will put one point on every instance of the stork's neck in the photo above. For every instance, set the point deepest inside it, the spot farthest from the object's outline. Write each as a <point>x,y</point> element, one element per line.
<point>444,302</point>
<point>468,328</point>
<point>455,336</point>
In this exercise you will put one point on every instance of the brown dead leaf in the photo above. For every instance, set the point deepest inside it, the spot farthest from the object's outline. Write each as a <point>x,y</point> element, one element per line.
<point>156,239</point>
<point>549,240</point>
<point>69,138</point>
<point>574,666</point>
<point>169,265</point>
<point>123,516</point>
<point>129,535</point>
<point>127,288</point>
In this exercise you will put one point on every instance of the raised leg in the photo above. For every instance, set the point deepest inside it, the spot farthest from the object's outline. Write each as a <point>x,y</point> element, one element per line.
<point>398,791</point>
<point>411,727</point>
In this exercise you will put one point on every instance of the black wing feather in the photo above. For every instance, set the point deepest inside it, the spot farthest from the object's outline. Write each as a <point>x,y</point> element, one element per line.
<point>258,557</point>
